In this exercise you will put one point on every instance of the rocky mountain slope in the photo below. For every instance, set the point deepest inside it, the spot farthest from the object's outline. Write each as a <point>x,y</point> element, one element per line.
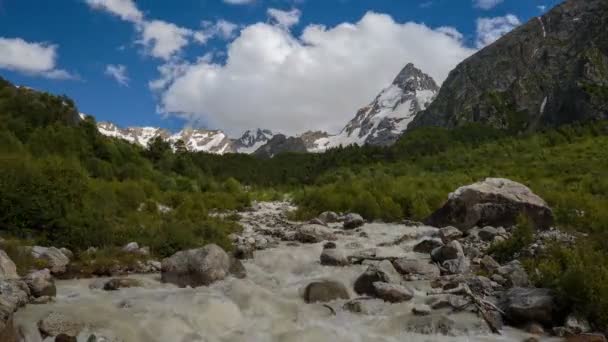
<point>550,71</point>
<point>196,140</point>
<point>388,115</point>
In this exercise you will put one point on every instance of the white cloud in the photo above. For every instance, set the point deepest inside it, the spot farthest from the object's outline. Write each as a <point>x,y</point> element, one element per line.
<point>163,39</point>
<point>542,8</point>
<point>486,4</point>
<point>238,2</point>
<point>490,29</point>
<point>450,31</point>
<point>31,58</point>
<point>125,9</point>
<point>275,80</point>
<point>118,73</point>
<point>222,28</point>
<point>285,19</point>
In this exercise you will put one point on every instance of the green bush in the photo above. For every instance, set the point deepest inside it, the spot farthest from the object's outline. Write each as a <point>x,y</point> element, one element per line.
<point>523,236</point>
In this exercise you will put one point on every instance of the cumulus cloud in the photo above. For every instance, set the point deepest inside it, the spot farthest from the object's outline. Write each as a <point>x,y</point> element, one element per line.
<point>118,73</point>
<point>490,29</point>
<point>163,39</point>
<point>37,59</point>
<point>486,4</point>
<point>125,9</point>
<point>284,19</point>
<point>273,79</point>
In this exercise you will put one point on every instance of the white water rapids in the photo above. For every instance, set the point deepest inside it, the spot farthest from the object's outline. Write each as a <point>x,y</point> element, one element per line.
<point>266,306</point>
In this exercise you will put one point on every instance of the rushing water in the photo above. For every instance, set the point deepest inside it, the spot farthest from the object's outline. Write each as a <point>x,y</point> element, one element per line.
<point>266,306</point>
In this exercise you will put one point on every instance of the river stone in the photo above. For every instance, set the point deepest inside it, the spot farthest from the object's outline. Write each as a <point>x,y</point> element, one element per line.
<point>515,274</point>
<point>492,202</point>
<point>13,295</point>
<point>119,283</point>
<point>325,291</point>
<point>237,269</point>
<point>488,233</point>
<point>452,250</point>
<point>364,305</point>
<point>416,266</point>
<point>352,221</point>
<point>421,310</point>
<point>329,217</point>
<point>41,283</point>
<point>587,338</point>
<point>489,264</point>
<point>577,325</point>
<point>430,325</point>
<point>65,338</point>
<point>522,305</point>
<point>244,252</point>
<point>131,247</point>
<point>333,257</point>
<point>56,260</point>
<point>392,293</point>
<point>196,267</point>
<point>56,323</point>
<point>314,233</point>
<point>449,233</point>
<point>427,245</point>
<point>8,270</point>
<point>383,272</point>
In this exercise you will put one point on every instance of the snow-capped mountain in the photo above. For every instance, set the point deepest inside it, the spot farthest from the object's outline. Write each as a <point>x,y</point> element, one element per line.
<point>196,140</point>
<point>387,117</point>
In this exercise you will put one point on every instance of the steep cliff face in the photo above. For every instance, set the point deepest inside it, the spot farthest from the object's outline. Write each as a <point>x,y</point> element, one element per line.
<point>552,70</point>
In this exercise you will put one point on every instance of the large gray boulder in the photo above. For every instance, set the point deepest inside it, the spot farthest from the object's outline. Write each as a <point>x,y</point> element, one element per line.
<point>393,293</point>
<point>417,267</point>
<point>8,270</point>
<point>314,233</point>
<point>333,257</point>
<point>56,261</point>
<point>427,245</point>
<point>57,323</point>
<point>196,267</point>
<point>325,291</point>
<point>41,283</point>
<point>451,257</point>
<point>352,221</point>
<point>384,272</point>
<point>13,295</point>
<point>492,202</point>
<point>524,305</point>
<point>329,217</point>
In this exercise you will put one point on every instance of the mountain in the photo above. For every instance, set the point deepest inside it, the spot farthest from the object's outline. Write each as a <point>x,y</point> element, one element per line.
<point>552,70</point>
<point>196,140</point>
<point>388,115</point>
<point>280,144</point>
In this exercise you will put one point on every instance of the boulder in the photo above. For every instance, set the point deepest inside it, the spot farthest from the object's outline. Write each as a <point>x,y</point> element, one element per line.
<point>523,305</point>
<point>452,250</point>
<point>449,233</point>
<point>131,247</point>
<point>41,283</point>
<point>352,221</point>
<point>56,261</point>
<point>577,325</point>
<point>421,310</point>
<point>120,283</point>
<point>314,233</point>
<point>417,267</point>
<point>489,264</point>
<point>325,291</point>
<point>427,245</point>
<point>65,338</point>
<point>431,325</point>
<point>68,253</point>
<point>8,270</point>
<point>392,293</point>
<point>587,338</point>
<point>237,269</point>
<point>384,272</point>
<point>488,233</point>
<point>244,252</point>
<point>492,202</point>
<point>317,221</point>
<point>515,274</point>
<point>329,217</point>
<point>196,267</point>
<point>56,323</point>
<point>333,257</point>
<point>13,295</point>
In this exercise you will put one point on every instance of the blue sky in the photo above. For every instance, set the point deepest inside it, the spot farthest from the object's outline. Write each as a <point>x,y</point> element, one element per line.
<point>233,66</point>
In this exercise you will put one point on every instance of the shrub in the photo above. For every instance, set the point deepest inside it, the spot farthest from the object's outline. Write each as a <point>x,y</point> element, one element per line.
<point>522,237</point>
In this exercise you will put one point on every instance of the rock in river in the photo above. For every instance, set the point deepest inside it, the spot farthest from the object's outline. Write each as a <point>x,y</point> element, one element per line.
<point>196,267</point>
<point>325,291</point>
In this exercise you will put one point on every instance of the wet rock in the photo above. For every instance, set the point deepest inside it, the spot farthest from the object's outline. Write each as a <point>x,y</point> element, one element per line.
<point>534,329</point>
<point>56,260</point>
<point>364,305</point>
<point>427,245</point>
<point>460,265</point>
<point>587,338</point>
<point>531,339</point>
<point>243,252</point>
<point>438,302</point>
<point>577,325</point>
<point>42,300</point>
<point>56,323</point>
<point>13,295</point>
<point>480,284</point>
<point>131,247</point>
<point>65,338</point>
<point>457,302</point>
<point>120,283</point>
<point>196,267</point>
<point>329,217</point>
<point>421,310</point>
<point>325,291</point>
<point>449,233</point>
<point>317,221</point>
<point>352,221</point>
<point>237,269</point>
<point>333,257</point>
<point>8,270</point>
<point>41,283</point>
<point>489,264</point>
<point>492,202</point>
<point>515,274</point>
<point>429,325</point>
<point>330,245</point>
<point>452,250</point>
<point>523,305</point>
<point>314,233</point>
<point>488,233</point>
<point>392,293</point>
<point>417,267</point>
<point>384,272</point>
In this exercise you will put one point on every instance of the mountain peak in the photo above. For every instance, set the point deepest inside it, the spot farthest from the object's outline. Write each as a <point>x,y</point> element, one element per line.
<point>410,78</point>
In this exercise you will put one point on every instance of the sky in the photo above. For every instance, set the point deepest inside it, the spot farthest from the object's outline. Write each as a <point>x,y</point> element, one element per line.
<point>285,65</point>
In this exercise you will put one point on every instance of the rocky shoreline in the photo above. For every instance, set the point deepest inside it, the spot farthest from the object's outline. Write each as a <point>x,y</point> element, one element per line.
<point>435,281</point>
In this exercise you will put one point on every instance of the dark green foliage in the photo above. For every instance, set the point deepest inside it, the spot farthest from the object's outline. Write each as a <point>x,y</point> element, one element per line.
<point>523,236</point>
